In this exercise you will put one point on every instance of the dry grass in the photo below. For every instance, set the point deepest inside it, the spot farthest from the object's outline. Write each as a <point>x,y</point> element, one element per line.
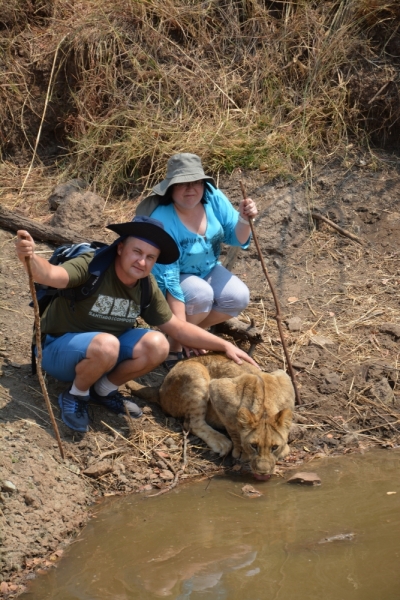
<point>235,82</point>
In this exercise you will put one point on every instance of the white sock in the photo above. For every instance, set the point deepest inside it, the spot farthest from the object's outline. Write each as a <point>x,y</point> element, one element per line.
<point>103,386</point>
<point>77,392</point>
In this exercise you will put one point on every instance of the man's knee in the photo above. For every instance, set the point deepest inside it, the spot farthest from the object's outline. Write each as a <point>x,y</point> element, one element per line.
<point>104,347</point>
<point>154,346</point>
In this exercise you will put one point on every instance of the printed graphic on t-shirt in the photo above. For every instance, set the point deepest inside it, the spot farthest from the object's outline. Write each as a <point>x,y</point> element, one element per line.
<point>116,309</point>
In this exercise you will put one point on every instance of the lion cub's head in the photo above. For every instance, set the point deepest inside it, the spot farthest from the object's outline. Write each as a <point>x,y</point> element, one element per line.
<point>263,439</point>
<point>257,413</point>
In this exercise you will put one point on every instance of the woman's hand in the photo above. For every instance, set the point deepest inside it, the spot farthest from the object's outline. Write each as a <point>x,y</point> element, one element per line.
<point>248,209</point>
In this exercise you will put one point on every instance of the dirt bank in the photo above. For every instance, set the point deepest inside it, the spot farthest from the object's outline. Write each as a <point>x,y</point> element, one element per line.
<point>340,299</point>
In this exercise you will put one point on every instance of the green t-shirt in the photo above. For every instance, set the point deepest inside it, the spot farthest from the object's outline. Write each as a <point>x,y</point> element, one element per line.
<point>113,309</point>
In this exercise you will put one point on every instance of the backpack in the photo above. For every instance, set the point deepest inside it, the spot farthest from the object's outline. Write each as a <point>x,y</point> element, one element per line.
<point>46,294</point>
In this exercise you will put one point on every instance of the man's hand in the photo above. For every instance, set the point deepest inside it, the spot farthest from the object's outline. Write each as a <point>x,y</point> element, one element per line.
<point>25,246</point>
<point>42,271</point>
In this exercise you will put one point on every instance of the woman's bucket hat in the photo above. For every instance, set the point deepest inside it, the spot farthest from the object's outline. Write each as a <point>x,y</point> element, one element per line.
<point>142,227</point>
<point>182,168</point>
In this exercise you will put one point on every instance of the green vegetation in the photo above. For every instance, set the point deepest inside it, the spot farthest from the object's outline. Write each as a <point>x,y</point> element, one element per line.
<point>123,85</point>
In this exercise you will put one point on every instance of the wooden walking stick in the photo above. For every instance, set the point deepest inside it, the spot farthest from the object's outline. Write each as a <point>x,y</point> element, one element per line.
<point>39,354</point>
<point>278,315</point>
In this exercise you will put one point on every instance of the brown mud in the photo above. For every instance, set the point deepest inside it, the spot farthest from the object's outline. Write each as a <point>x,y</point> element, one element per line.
<point>341,306</point>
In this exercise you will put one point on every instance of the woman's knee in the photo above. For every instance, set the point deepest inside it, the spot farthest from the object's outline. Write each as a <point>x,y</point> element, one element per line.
<point>199,295</point>
<point>234,300</point>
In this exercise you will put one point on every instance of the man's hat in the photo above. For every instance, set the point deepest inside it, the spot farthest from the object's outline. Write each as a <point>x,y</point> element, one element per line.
<point>144,228</point>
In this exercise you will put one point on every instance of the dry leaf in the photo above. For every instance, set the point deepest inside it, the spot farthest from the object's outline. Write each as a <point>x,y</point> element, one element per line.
<point>250,491</point>
<point>292,299</point>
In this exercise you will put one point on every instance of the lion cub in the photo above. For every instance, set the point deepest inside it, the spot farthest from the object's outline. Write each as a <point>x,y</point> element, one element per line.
<point>211,391</point>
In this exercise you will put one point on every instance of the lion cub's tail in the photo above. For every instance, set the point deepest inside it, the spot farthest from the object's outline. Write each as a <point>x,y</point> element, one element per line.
<point>141,391</point>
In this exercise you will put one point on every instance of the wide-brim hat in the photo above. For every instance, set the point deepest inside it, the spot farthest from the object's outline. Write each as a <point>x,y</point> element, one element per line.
<point>182,168</point>
<point>145,228</point>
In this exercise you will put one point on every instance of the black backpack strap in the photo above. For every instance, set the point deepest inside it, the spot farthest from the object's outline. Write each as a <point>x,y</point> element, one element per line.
<point>147,292</point>
<point>33,359</point>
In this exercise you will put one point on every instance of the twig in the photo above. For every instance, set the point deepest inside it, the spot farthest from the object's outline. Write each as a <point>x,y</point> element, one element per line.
<point>168,464</point>
<point>278,315</point>
<point>39,355</point>
<point>344,232</point>
<point>125,439</point>
<point>43,115</point>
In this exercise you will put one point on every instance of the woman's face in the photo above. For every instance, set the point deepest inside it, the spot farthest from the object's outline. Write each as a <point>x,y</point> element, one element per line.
<point>188,195</point>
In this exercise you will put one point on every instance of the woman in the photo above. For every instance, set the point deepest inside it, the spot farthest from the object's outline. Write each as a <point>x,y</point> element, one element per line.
<point>199,217</point>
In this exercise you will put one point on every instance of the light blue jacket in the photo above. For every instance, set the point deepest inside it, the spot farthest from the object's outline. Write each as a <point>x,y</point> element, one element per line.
<point>198,254</point>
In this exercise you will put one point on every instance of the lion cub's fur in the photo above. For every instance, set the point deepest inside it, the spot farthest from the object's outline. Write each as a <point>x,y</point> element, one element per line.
<point>211,391</point>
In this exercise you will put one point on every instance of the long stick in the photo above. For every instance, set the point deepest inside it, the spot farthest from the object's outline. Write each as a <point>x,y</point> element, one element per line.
<point>39,354</point>
<point>278,315</point>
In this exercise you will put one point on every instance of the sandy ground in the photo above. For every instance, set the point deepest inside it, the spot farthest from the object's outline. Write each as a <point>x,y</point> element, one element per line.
<point>341,306</point>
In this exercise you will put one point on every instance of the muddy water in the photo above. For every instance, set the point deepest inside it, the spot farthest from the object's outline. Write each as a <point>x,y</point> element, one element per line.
<point>339,541</point>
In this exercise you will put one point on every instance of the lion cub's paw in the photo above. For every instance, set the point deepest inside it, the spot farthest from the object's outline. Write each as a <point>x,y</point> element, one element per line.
<point>236,452</point>
<point>219,444</point>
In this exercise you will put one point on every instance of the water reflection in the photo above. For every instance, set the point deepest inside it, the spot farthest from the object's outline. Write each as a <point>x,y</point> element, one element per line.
<point>209,542</point>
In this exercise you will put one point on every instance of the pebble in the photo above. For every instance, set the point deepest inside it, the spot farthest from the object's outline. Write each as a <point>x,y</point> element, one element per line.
<point>99,469</point>
<point>383,391</point>
<point>294,324</point>
<point>8,486</point>
<point>321,341</point>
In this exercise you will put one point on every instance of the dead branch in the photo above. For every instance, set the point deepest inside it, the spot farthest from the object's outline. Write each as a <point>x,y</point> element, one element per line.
<point>342,231</point>
<point>44,233</point>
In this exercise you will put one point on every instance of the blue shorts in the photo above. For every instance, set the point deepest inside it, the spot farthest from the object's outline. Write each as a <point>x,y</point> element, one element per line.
<point>60,355</point>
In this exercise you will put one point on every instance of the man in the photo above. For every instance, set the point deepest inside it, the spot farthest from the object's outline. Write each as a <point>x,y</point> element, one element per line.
<point>95,342</point>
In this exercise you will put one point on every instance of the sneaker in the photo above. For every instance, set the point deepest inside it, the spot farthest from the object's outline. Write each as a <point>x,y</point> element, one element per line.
<point>74,411</point>
<point>115,401</point>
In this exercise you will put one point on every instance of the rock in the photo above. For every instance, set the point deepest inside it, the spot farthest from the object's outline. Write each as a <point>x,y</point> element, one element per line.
<point>98,469</point>
<point>305,478</point>
<point>331,384</point>
<point>166,475</point>
<point>79,211</point>
<point>350,439</point>
<point>321,341</point>
<point>4,587</point>
<point>391,328</point>
<point>294,324</point>
<point>296,432</point>
<point>383,391</point>
<point>170,442</point>
<point>8,486</point>
<point>65,190</point>
<point>30,500</point>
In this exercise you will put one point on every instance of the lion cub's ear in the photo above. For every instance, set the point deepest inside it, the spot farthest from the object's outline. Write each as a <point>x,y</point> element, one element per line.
<point>282,419</point>
<point>247,419</point>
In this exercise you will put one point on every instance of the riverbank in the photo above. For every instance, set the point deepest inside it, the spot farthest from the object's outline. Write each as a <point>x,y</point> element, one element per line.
<point>340,300</point>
